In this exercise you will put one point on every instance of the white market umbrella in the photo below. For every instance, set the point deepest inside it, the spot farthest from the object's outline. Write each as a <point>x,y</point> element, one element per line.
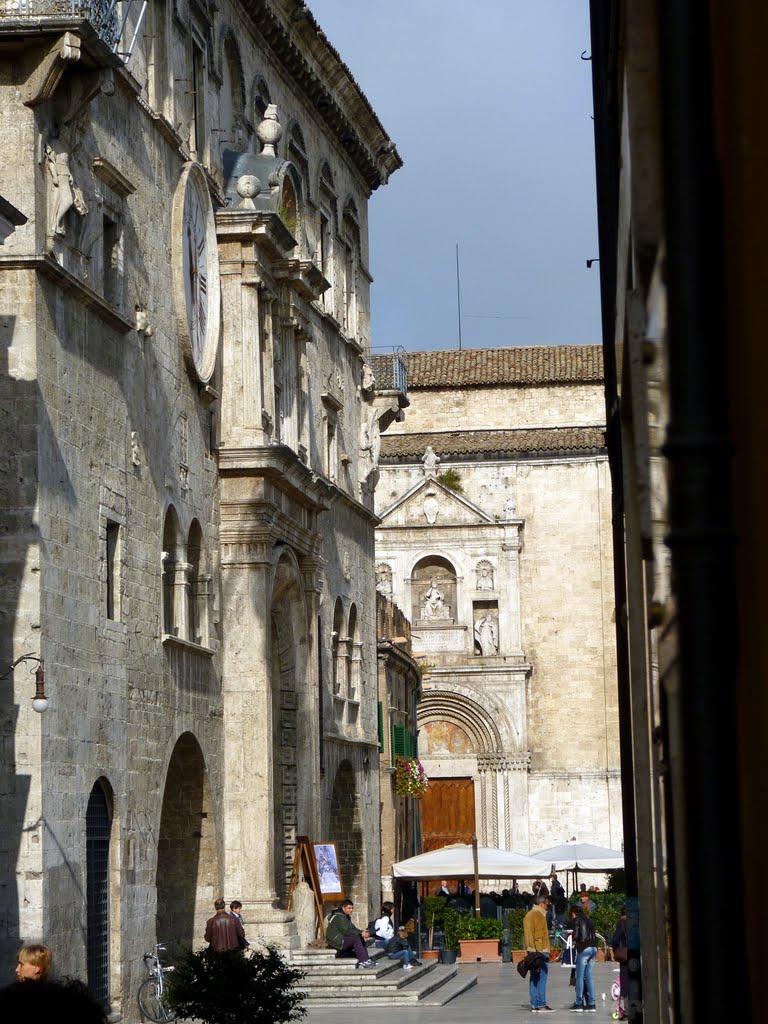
<point>581,857</point>
<point>456,861</point>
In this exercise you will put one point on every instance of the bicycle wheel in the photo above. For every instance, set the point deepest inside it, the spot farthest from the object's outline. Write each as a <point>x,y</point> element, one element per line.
<point>152,1004</point>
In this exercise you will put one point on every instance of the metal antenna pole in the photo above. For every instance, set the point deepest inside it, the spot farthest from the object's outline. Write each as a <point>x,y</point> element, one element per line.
<point>458,291</point>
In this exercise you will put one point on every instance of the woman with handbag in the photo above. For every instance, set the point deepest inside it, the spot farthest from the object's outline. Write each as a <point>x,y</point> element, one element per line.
<point>619,948</point>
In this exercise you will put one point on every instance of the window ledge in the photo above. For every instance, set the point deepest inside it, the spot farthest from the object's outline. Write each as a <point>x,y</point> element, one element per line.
<point>176,641</point>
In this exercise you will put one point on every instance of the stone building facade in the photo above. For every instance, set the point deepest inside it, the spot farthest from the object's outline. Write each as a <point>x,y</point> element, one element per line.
<point>495,539</point>
<point>399,696</point>
<point>190,437</point>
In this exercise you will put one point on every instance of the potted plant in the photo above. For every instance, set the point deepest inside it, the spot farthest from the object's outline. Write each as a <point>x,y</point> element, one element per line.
<point>479,938</point>
<point>513,923</point>
<point>451,919</point>
<point>434,910</point>
<point>253,987</point>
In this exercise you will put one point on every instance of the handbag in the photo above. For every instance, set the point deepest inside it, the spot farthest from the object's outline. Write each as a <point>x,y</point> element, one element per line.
<point>620,954</point>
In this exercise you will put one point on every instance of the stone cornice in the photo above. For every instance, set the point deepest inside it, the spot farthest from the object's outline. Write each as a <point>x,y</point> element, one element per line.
<point>520,761</point>
<point>283,467</point>
<point>356,127</point>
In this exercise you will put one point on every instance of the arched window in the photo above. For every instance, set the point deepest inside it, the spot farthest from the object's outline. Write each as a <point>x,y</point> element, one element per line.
<point>326,230</point>
<point>174,577</point>
<point>232,99</point>
<point>433,591</point>
<point>350,230</point>
<point>261,99</point>
<point>354,666</point>
<point>339,648</point>
<point>199,587</point>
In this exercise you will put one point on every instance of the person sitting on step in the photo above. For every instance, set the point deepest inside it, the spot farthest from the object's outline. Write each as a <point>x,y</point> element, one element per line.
<point>398,948</point>
<point>345,937</point>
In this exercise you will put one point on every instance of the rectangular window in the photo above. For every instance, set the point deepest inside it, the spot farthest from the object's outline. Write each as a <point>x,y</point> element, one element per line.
<point>113,571</point>
<point>381,728</point>
<point>197,141</point>
<point>110,259</point>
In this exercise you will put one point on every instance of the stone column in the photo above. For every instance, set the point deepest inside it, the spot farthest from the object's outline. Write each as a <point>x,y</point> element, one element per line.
<point>248,818</point>
<point>355,666</point>
<point>241,405</point>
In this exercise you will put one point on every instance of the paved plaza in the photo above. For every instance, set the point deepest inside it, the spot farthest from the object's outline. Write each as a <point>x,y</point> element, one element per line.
<point>500,997</point>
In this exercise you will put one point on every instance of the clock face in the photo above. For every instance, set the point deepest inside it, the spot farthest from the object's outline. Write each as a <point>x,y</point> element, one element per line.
<point>196,271</point>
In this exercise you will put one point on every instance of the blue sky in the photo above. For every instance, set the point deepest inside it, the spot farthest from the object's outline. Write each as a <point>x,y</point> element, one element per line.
<point>489,104</point>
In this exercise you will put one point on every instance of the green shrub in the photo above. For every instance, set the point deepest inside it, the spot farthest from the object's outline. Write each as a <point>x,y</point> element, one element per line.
<point>471,927</point>
<point>451,478</point>
<point>451,921</point>
<point>606,914</point>
<point>434,911</point>
<point>513,922</point>
<point>255,987</point>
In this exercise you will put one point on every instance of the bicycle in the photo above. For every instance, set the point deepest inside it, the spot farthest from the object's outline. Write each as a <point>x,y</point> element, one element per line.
<point>152,994</point>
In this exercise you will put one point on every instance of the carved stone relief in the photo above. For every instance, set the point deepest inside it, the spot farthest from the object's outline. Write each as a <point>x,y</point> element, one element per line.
<point>484,575</point>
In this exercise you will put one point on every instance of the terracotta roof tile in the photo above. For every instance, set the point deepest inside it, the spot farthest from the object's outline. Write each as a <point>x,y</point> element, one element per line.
<point>530,364</point>
<point>476,442</point>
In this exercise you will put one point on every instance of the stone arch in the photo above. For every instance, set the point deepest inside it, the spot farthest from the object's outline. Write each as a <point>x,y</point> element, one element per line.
<point>346,829</point>
<point>198,587</point>
<point>232,95</point>
<point>293,738</point>
<point>188,876</point>
<point>260,98</point>
<point>102,893</point>
<point>354,663</point>
<point>478,722</point>
<point>433,573</point>
<point>172,562</point>
<point>338,646</point>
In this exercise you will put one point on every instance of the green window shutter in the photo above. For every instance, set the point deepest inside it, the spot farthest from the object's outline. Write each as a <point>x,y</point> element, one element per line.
<point>412,744</point>
<point>381,728</point>
<point>400,744</point>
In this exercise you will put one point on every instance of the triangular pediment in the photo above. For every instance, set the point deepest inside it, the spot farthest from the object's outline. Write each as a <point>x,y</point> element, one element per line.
<point>431,503</point>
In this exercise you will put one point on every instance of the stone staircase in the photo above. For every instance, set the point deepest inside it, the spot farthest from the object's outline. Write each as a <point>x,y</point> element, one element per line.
<point>332,982</point>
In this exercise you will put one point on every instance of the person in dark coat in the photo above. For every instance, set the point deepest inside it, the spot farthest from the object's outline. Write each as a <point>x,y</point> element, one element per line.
<point>398,948</point>
<point>223,932</point>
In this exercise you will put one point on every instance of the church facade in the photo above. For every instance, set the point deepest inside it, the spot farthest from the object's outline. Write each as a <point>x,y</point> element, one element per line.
<point>190,435</point>
<point>495,539</point>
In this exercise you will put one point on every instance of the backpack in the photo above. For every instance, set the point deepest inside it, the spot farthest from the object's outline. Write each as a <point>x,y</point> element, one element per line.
<point>372,929</point>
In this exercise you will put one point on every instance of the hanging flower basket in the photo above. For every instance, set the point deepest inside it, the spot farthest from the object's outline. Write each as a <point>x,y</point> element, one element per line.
<point>410,777</point>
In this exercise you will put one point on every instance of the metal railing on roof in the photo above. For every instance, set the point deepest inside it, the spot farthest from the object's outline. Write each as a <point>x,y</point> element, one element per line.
<point>391,372</point>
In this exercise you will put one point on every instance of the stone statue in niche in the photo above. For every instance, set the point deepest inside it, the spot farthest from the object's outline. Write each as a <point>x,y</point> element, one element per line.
<point>369,452</point>
<point>63,193</point>
<point>430,462</point>
<point>484,573</point>
<point>510,508</point>
<point>434,603</point>
<point>431,507</point>
<point>486,635</point>
<point>384,579</point>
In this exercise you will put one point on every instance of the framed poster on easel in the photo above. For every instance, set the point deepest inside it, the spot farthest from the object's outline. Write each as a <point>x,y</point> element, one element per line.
<point>326,857</point>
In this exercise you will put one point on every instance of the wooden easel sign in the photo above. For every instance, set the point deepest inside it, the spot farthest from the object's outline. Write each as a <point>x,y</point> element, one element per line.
<point>319,865</point>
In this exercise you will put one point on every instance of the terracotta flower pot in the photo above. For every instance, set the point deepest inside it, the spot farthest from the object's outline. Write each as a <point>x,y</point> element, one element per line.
<point>473,950</point>
<point>429,954</point>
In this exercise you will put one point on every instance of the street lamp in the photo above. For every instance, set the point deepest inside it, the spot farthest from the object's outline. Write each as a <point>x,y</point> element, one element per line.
<point>39,701</point>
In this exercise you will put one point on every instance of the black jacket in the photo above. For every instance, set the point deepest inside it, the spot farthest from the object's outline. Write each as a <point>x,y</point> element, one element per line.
<point>584,934</point>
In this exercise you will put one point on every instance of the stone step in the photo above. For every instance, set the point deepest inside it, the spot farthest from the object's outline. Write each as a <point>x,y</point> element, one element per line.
<point>333,982</point>
<point>389,976</point>
<point>433,986</point>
